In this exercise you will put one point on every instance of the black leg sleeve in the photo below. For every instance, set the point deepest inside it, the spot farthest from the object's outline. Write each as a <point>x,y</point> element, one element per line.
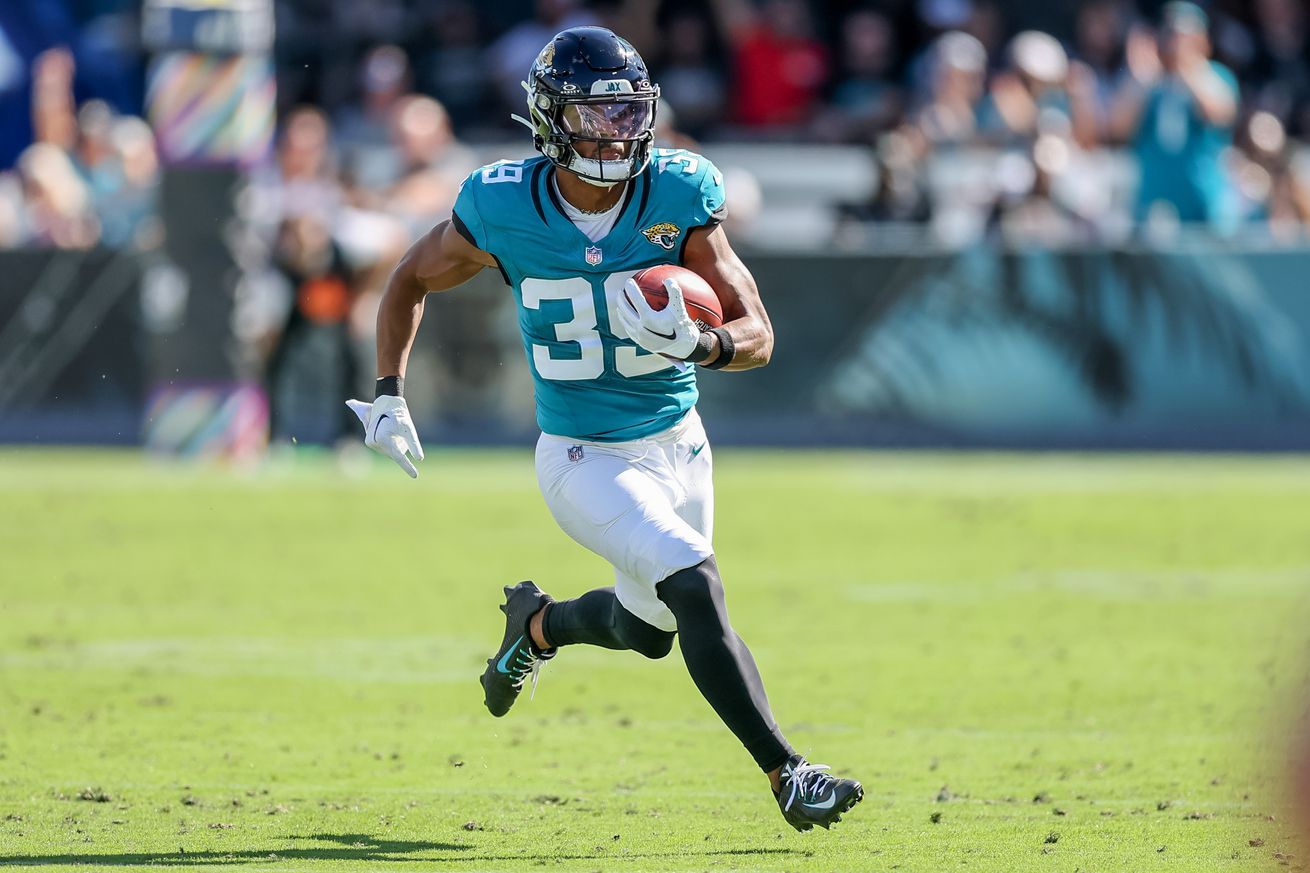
<point>598,619</point>
<point>720,664</point>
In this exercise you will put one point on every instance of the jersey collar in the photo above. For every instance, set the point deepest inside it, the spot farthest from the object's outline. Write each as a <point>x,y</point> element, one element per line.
<point>544,184</point>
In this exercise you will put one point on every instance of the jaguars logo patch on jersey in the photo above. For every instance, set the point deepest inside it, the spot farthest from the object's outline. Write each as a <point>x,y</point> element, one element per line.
<point>664,234</point>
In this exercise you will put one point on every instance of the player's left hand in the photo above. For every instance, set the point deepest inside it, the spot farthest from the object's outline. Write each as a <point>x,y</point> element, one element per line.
<point>389,430</point>
<point>669,331</point>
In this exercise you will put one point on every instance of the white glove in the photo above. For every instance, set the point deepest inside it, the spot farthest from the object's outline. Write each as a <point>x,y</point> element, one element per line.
<point>389,430</point>
<point>668,331</point>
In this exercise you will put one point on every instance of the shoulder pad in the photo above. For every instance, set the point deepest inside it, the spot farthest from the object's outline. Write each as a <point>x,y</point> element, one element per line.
<point>693,180</point>
<point>488,193</point>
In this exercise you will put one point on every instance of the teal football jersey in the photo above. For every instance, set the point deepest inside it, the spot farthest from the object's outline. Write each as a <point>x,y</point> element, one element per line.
<point>591,381</point>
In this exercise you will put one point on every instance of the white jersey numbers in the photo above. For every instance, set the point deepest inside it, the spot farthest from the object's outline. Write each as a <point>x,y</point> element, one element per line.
<point>582,328</point>
<point>503,171</point>
<point>681,161</point>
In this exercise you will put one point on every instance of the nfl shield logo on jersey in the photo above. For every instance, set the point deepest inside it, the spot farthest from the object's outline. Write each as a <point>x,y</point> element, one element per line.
<point>575,453</point>
<point>594,255</point>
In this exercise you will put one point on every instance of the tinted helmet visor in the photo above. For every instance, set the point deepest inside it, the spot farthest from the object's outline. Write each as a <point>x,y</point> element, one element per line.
<point>615,121</point>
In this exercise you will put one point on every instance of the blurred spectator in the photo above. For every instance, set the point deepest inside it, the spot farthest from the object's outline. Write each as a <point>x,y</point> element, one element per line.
<point>866,101</point>
<point>931,85</point>
<point>511,55</point>
<point>127,212</point>
<point>103,38</point>
<point>58,210</point>
<point>116,159</point>
<point>1100,31</point>
<point>949,114</point>
<point>429,164</point>
<point>779,67</point>
<point>89,178</point>
<point>688,71</point>
<point>384,79</point>
<point>95,155</point>
<point>53,110</point>
<point>322,296</point>
<point>1177,108</point>
<point>451,69</point>
<point>304,181</point>
<point>1031,97</point>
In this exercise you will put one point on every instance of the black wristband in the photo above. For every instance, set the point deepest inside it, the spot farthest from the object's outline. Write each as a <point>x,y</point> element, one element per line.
<point>726,349</point>
<point>393,386</point>
<point>704,348</point>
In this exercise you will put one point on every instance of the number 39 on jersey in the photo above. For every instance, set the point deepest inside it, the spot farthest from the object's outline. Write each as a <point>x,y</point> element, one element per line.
<point>590,380</point>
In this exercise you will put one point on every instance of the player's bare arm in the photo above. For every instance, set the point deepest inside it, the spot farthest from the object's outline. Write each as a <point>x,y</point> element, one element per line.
<point>709,254</point>
<point>440,260</point>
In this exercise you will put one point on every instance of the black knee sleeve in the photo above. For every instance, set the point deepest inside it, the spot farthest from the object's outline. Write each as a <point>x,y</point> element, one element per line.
<point>643,638</point>
<point>694,590</point>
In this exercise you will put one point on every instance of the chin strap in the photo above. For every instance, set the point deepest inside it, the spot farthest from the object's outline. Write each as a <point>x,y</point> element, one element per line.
<point>598,184</point>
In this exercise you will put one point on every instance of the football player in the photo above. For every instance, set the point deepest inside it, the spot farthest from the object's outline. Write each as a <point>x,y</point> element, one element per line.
<point>623,461</point>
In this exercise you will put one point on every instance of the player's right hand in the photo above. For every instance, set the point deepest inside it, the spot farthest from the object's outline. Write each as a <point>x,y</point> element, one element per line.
<point>389,430</point>
<point>669,331</point>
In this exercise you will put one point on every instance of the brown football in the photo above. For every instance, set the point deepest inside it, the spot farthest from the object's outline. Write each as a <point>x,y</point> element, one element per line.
<point>702,303</point>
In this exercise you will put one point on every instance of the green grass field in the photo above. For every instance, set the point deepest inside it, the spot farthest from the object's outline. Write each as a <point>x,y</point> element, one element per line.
<point>1047,663</point>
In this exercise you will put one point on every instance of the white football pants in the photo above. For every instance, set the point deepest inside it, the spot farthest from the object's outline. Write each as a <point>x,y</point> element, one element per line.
<point>646,506</point>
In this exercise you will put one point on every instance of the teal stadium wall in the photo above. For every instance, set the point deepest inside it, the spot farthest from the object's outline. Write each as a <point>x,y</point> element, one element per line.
<point>1193,348</point>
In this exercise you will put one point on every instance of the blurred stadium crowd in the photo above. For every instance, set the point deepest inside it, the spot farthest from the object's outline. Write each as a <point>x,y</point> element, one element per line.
<point>1140,116</point>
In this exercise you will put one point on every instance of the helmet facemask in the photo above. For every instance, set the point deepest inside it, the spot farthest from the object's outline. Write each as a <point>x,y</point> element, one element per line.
<point>578,132</point>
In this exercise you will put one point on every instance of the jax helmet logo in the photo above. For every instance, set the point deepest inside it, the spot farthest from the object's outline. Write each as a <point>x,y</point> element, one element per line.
<point>664,234</point>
